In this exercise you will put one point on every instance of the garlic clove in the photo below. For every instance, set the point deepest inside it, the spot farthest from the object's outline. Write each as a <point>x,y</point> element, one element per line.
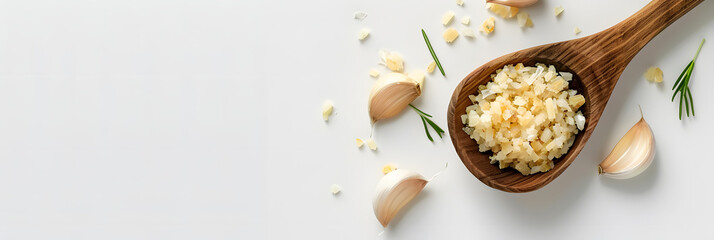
<point>631,155</point>
<point>394,191</point>
<point>514,3</point>
<point>391,94</point>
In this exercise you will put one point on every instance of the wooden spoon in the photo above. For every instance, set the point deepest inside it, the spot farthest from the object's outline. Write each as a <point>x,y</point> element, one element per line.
<point>596,62</point>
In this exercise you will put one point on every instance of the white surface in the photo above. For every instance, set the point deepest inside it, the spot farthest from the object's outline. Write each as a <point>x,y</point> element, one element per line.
<point>201,120</point>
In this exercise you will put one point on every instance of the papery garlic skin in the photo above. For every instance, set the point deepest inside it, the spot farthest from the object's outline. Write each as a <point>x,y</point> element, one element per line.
<point>391,94</point>
<point>631,155</point>
<point>394,191</point>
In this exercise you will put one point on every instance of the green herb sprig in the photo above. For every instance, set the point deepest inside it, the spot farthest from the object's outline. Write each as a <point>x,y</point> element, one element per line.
<point>681,86</point>
<point>424,120</point>
<point>433,55</point>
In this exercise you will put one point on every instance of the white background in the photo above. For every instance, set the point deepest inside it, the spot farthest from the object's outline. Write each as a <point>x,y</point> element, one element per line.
<point>200,119</point>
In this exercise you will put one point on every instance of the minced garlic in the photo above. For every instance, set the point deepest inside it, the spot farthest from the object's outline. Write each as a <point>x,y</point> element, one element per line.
<point>488,26</point>
<point>577,30</point>
<point>388,168</point>
<point>326,109</point>
<point>431,67</point>
<point>363,33</point>
<point>335,189</point>
<point>465,20</point>
<point>526,116</point>
<point>371,144</point>
<point>450,34</point>
<point>654,74</point>
<point>392,60</point>
<point>468,32</point>
<point>374,73</point>
<point>502,10</point>
<point>446,19</point>
<point>559,10</point>
<point>460,2</point>
<point>524,20</point>
<point>359,142</point>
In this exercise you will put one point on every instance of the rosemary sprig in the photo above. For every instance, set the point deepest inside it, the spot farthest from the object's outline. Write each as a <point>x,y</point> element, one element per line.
<point>681,86</point>
<point>424,120</point>
<point>433,55</point>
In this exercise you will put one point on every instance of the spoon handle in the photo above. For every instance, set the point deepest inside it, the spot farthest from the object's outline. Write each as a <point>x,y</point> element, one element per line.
<point>629,36</point>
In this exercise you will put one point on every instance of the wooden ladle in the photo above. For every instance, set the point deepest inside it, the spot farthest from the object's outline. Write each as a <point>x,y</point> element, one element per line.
<point>596,61</point>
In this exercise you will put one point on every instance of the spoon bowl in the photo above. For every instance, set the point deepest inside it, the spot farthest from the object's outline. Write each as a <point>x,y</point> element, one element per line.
<point>596,62</point>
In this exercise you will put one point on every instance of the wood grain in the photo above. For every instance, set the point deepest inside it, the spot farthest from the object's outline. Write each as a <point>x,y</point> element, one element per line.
<point>596,61</point>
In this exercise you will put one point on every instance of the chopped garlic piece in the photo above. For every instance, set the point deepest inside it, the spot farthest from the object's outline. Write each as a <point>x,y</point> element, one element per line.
<point>468,32</point>
<point>360,15</point>
<point>431,67</point>
<point>335,189</point>
<point>577,30</point>
<point>654,74</point>
<point>559,10</point>
<point>392,60</point>
<point>524,20</point>
<point>371,144</point>
<point>326,109</point>
<point>388,168</point>
<point>488,26</point>
<point>465,20</point>
<point>446,19</point>
<point>359,142</point>
<point>460,2</point>
<point>374,73</point>
<point>502,10</point>
<point>364,33</point>
<point>450,34</point>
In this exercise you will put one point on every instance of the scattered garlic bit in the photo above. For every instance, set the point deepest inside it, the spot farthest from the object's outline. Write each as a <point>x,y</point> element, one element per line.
<point>360,15</point>
<point>388,168</point>
<point>501,10</point>
<point>632,154</point>
<point>431,67</point>
<point>371,144</point>
<point>392,60</point>
<point>577,30</point>
<point>488,26</point>
<point>524,20</point>
<point>514,3</point>
<point>335,189</point>
<point>364,33</point>
<point>394,191</point>
<point>374,73</point>
<point>468,32</point>
<point>450,34</point>
<point>446,19</point>
<point>526,116</point>
<point>460,2</point>
<point>654,74</point>
<point>465,20</point>
<point>359,142</point>
<point>559,10</point>
<point>326,109</point>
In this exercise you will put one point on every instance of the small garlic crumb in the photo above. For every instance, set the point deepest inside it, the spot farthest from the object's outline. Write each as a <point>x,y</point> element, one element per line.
<point>335,189</point>
<point>488,26</point>
<point>577,30</point>
<point>359,142</point>
<point>431,67</point>
<point>460,2</point>
<point>388,168</point>
<point>364,33</point>
<point>360,15</point>
<point>559,10</point>
<point>502,10</point>
<point>468,32</point>
<point>326,109</point>
<point>392,60</point>
<point>450,34</point>
<point>524,20</point>
<point>374,73</point>
<point>465,20</point>
<point>654,74</point>
<point>446,19</point>
<point>371,144</point>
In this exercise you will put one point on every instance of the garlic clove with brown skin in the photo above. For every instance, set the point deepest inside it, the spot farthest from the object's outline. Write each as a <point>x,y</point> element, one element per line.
<point>514,3</point>
<point>391,94</point>
<point>394,191</point>
<point>632,154</point>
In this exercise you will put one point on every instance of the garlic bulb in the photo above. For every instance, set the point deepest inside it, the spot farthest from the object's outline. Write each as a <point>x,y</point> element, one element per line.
<point>514,3</point>
<point>394,191</point>
<point>391,94</point>
<point>631,155</point>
